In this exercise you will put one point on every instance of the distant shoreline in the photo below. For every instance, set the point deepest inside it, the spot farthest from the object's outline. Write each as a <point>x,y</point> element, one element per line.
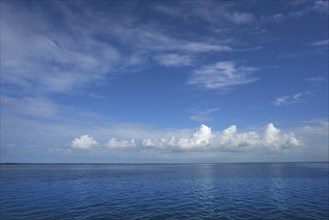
<point>14,163</point>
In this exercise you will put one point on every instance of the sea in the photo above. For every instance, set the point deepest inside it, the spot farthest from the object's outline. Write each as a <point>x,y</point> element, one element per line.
<point>165,191</point>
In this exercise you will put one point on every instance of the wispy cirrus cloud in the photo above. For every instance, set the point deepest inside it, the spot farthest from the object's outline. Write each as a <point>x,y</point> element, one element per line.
<point>149,38</point>
<point>52,60</point>
<point>298,9</point>
<point>212,12</point>
<point>174,60</point>
<point>316,79</point>
<point>202,116</point>
<point>320,43</point>
<point>289,99</point>
<point>222,75</point>
<point>37,107</point>
<point>320,7</point>
<point>57,60</point>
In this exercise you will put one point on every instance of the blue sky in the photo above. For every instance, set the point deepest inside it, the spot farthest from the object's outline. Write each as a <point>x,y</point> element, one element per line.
<point>164,81</point>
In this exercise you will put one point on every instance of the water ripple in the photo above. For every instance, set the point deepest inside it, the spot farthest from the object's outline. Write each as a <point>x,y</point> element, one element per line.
<point>181,191</point>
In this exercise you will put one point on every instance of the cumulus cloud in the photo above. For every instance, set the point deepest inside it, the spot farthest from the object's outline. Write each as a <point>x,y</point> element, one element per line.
<point>159,143</point>
<point>203,138</point>
<point>199,138</point>
<point>83,142</point>
<point>114,143</point>
<point>288,100</point>
<point>222,75</point>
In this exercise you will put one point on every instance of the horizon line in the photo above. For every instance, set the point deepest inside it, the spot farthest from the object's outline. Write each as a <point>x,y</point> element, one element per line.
<point>141,163</point>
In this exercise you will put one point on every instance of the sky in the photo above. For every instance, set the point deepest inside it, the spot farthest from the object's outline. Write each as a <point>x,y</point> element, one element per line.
<point>164,81</point>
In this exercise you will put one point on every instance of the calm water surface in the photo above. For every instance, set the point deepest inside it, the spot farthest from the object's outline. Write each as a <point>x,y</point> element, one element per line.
<point>165,191</point>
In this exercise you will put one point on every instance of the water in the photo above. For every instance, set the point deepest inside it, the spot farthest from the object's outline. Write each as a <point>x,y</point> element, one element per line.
<point>165,191</point>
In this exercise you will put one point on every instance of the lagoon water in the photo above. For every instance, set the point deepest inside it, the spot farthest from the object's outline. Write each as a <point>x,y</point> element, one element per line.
<point>165,191</point>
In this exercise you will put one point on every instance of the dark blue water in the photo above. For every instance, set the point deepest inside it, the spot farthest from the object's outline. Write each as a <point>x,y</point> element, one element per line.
<point>175,191</point>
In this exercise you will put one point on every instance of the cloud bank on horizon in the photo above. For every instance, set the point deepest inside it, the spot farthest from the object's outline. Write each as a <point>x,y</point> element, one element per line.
<point>270,138</point>
<point>130,81</point>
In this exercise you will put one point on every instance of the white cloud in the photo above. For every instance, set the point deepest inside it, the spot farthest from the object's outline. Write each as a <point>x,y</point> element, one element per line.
<point>114,143</point>
<point>277,17</point>
<point>270,138</point>
<point>159,143</point>
<point>53,60</point>
<point>318,126</point>
<point>39,107</point>
<point>204,47</point>
<point>241,18</point>
<point>298,10</point>
<point>288,100</point>
<point>207,11</point>
<point>83,142</point>
<point>321,7</point>
<point>199,138</point>
<point>174,60</point>
<point>57,60</point>
<point>202,116</point>
<point>316,79</point>
<point>270,134</point>
<point>314,134</point>
<point>222,75</point>
<point>152,39</point>
<point>320,43</point>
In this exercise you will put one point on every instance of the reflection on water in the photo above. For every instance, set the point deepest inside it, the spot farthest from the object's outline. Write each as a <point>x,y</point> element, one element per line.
<point>174,191</point>
<point>277,193</point>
